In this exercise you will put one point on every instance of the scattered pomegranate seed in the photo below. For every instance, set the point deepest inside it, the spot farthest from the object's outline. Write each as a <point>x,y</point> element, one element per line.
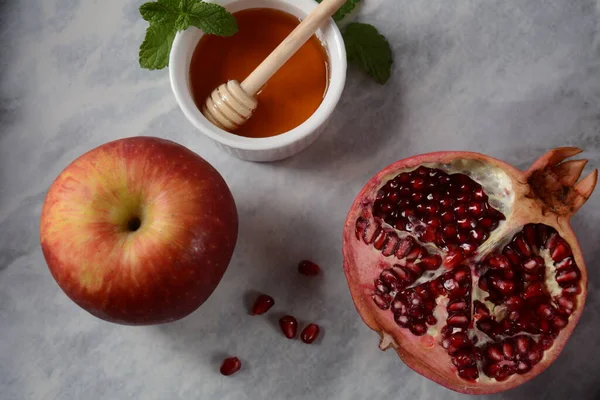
<point>289,326</point>
<point>310,333</point>
<point>308,268</point>
<point>230,366</point>
<point>262,304</point>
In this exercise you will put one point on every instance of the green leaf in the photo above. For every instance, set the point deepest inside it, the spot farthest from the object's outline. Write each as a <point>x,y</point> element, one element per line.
<point>159,12</point>
<point>344,10</point>
<point>156,47</point>
<point>368,49</point>
<point>210,18</point>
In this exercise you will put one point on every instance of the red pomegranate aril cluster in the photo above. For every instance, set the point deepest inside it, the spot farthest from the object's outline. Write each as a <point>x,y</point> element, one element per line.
<point>516,279</point>
<point>511,356</point>
<point>451,211</point>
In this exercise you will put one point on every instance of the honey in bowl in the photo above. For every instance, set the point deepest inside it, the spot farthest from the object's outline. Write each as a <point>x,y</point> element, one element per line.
<point>290,96</point>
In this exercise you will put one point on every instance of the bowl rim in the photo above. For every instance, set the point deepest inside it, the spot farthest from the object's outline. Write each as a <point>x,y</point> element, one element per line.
<point>180,57</point>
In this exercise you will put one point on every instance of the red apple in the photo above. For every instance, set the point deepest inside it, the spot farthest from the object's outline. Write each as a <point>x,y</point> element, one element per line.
<point>139,231</point>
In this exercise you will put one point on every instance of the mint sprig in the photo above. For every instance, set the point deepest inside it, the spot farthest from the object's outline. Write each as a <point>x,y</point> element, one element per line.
<point>368,49</point>
<point>166,17</point>
<point>344,10</point>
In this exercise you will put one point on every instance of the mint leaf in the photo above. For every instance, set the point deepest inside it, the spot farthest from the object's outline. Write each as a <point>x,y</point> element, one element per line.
<point>368,49</point>
<point>158,12</point>
<point>156,47</point>
<point>210,18</point>
<point>166,17</point>
<point>344,10</point>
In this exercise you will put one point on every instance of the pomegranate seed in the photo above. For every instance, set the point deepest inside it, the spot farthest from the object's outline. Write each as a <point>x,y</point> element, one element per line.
<point>571,290</point>
<point>458,320</point>
<point>498,261</point>
<point>478,194</point>
<point>468,248</point>
<point>488,223</point>
<point>476,209</point>
<point>393,196</point>
<point>481,310</point>
<point>504,287</point>
<point>522,245</point>
<point>405,245</point>
<point>393,184</point>
<point>483,283</point>
<point>401,320</point>
<point>460,210</point>
<point>415,253</point>
<point>478,234</point>
<point>418,329</point>
<point>523,367</point>
<point>308,268</point>
<point>389,278</point>
<point>559,322</point>
<point>560,251</point>
<point>454,258</point>
<point>403,177</point>
<point>431,262</point>
<point>522,343</point>
<point>380,287</point>
<point>431,209</point>
<point>310,333</point>
<point>361,225</point>
<point>566,276</point>
<point>379,240</point>
<point>463,197</point>
<point>230,366</point>
<point>460,340</point>
<point>389,246</point>
<point>535,355</point>
<point>289,325</point>
<point>371,232</point>
<point>495,353</point>
<point>461,361</point>
<point>418,184</point>
<point>426,234</point>
<point>545,311</point>
<point>514,302</point>
<point>447,216</point>
<point>262,304</point>
<point>449,231</point>
<point>533,264</point>
<point>470,374</point>
<point>512,255</point>
<point>457,305</point>
<point>533,290</point>
<point>431,320</point>
<point>546,342</point>
<point>433,222</point>
<point>566,263</point>
<point>509,350</point>
<point>381,300</point>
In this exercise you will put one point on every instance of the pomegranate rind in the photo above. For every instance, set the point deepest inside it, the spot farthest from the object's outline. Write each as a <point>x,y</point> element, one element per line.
<point>417,352</point>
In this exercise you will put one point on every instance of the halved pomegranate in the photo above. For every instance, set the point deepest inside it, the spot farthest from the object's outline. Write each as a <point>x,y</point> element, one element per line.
<point>468,267</point>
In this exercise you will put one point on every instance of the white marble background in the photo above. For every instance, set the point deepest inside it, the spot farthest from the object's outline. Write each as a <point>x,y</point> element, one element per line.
<point>510,78</point>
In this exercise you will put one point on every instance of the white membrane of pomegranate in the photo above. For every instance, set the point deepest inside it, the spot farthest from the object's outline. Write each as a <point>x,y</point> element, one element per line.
<point>371,261</point>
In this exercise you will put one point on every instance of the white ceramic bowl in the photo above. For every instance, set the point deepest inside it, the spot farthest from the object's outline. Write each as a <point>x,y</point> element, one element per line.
<point>275,147</point>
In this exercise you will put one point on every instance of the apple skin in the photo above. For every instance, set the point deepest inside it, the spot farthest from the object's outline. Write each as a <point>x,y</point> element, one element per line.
<point>170,265</point>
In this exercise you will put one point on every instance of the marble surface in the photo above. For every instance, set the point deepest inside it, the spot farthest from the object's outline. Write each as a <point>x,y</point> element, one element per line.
<point>510,78</point>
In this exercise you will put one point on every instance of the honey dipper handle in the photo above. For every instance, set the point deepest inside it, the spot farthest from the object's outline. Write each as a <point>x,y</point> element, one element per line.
<point>290,45</point>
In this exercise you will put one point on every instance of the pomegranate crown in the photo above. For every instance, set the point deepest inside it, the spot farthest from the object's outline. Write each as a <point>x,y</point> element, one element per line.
<point>556,181</point>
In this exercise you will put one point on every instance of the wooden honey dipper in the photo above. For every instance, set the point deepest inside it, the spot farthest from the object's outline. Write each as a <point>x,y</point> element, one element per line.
<point>231,104</point>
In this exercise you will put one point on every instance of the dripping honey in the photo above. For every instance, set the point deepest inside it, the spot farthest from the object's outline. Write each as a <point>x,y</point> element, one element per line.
<point>290,97</point>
